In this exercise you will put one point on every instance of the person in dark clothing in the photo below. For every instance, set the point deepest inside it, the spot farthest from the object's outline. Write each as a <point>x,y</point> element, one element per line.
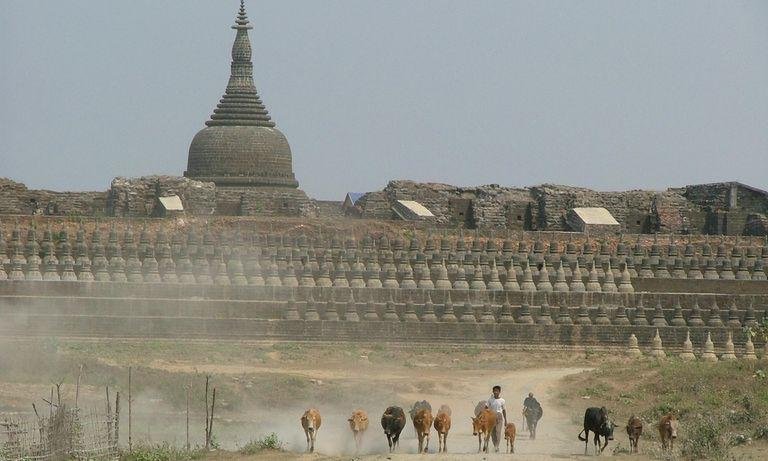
<point>531,402</point>
<point>532,413</point>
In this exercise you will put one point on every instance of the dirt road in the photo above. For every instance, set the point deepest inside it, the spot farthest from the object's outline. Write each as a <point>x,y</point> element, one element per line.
<point>556,435</point>
<point>459,389</point>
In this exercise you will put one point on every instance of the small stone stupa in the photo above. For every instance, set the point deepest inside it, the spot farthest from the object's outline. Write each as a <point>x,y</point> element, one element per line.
<point>657,349</point>
<point>633,350</point>
<point>730,350</point>
<point>687,353</point>
<point>708,355</point>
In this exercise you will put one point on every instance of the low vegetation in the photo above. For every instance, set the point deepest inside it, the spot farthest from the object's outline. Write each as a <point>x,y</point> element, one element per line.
<point>720,405</point>
<point>162,452</point>
<point>268,442</point>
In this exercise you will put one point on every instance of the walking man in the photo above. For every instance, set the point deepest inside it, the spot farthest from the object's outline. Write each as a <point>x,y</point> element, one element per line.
<point>532,413</point>
<point>531,403</point>
<point>497,405</point>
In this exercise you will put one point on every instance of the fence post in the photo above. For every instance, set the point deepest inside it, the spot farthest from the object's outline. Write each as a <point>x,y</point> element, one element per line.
<point>130,421</point>
<point>210,424</point>
<point>117,422</point>
<point>187,445</point>
<point>207,435</point>
<point>109,419</point>
<point>77,386</point>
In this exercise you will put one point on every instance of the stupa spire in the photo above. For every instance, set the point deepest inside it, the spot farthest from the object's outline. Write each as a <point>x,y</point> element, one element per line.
<point>240,145</point>
<point>241,104</point>
<point>242,18</point>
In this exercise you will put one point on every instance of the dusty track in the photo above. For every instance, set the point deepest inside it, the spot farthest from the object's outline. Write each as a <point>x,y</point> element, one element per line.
<point>460,389</point>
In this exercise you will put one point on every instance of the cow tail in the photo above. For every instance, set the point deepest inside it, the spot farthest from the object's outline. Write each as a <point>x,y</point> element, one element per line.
<point>580,437</point>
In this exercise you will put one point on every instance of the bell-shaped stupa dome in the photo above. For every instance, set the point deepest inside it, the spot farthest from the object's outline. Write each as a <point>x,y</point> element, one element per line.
<point>240,146</point>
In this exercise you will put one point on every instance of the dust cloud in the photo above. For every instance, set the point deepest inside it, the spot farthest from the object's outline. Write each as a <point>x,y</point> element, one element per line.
<point>279,395</point>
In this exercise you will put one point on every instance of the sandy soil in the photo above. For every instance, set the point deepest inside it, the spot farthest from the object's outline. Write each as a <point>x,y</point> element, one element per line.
<point>556,437</point>
<point>460,389</point>
<point>458,378</point>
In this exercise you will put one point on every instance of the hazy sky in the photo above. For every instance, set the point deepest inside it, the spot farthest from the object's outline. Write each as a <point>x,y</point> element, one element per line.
<point>605,94</point>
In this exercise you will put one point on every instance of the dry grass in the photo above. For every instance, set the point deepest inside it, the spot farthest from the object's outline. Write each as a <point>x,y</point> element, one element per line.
<point>731,397</point>
<point>720,405</point>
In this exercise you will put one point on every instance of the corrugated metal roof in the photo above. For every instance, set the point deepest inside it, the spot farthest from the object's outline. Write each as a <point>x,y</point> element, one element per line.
<point>599,216</point>
<point>172,203</point>
<point>416,208</point>
<point>354,196</point>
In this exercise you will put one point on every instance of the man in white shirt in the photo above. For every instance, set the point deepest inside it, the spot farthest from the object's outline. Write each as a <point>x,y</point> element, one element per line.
<point>496,405</point>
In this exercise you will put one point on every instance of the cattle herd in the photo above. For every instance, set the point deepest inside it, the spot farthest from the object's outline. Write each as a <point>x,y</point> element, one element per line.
<point>596,420</point>
<point>393,421</point>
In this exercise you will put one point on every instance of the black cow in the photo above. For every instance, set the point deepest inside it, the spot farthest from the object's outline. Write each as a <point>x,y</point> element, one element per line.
<point>596,420</point>
<point>532,416</point>
<point>393,422</point>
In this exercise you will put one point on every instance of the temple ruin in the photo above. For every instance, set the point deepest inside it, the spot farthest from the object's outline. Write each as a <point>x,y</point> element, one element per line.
<point>234,249</point>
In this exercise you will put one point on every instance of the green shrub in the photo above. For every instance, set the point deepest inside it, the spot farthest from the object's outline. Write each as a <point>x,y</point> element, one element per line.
<point>761,433</point>
<point>162,452</point>
<point>268,442</point>
<point>704,439</point>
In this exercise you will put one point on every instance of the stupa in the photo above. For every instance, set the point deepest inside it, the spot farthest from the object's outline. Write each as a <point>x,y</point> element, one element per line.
<point>240,149</point>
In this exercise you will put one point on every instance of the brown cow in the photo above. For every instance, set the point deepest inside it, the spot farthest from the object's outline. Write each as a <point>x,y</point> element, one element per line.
<point>481,405</point>
<point>509,435</point>
<point>634,431</point>
<point>310,421</point>
<point>483,425</point>
<point>442,426</point>
<point>668,430</point>
<point>358,422</point>
<point>422,423</point>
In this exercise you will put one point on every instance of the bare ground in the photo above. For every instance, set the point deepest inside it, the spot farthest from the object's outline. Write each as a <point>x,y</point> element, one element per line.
<point>264,388</point>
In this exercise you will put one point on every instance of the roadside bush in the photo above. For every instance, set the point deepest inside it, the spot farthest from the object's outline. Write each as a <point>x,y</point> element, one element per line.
<point>268,442</point>
<point>705,439</point>
<point>761,433</point>
<point>162,452</point>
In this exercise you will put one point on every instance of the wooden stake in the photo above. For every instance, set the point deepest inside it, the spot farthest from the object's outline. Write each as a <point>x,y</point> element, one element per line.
<point>188,386</point>
<point>210,423</point>
<point>207,438</point>
<point>117,420</point>
<point>130,415</point>
<point>109,418</point>
<point>77,386</point>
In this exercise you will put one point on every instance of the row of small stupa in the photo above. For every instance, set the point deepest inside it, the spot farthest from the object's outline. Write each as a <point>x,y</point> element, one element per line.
<point>707,351</point>
<point>443,246</point>
<point>594,309</point>
<point>378,261</point>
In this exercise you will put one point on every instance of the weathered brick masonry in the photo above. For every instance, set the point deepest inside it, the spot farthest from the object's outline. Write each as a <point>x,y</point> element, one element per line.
<point>706,208</point>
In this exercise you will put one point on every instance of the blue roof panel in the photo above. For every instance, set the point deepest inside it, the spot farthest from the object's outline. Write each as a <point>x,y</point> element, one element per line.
<point>355,196</point>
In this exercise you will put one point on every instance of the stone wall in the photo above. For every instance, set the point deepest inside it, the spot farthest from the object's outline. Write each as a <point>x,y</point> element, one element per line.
<point>693,209</point>
<point>489,206</point>
<point>498,207</point>
<point>330,209</point>
<point>17,199</point>
<point>636,210</point>
<point>729,208</point>
<point>263,201</point>
<point>707,208</point>
<point>375,205</point>
<point>436,197</point>
<point>326,314</point>
<point>137,197</point>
